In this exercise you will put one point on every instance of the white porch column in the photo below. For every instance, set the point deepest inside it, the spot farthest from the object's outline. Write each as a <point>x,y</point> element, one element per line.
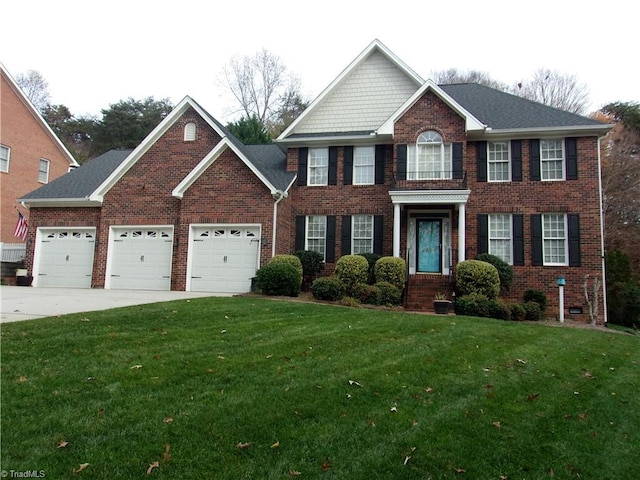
<point>462,209</point>
<point>396,229</point>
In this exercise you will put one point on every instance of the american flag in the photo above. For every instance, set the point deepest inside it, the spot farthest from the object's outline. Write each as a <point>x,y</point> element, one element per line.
<point>21,227</point>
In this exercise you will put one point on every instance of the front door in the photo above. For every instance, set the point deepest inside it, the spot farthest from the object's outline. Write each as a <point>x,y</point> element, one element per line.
<point>429,245</point>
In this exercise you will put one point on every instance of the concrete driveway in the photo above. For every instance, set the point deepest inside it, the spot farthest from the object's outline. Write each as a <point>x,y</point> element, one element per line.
<point>23,303</point>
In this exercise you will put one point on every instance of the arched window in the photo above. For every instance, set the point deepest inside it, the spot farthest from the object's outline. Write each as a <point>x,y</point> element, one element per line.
<point>190,132</point>
<point>429,158</point>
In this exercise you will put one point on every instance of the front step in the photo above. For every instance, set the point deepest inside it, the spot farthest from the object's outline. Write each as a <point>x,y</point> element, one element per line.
<point>422,289</point>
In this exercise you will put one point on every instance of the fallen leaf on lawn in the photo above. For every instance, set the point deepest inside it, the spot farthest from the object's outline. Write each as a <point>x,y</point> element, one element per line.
<point>22,379</point>
<point>101,411</point>
<point>153,465</point>
<point>582,416</point>
<point>62,444</point>
<point>594,434</point>
<point>551,472</point>
<point>244,445</point>
<point>136,367</point>
<point>223,331</point>
<point>326,465</point>
<point>497,424</point>
<point>275,445</point>
<point>168,420</point>
<point>80,468</point>
<point>406,459</point>
<point>393,409</point>
<point>533,396</point>
<point>428,390</point>
<point>488,385</point>
<point>85,320</point>
<point>522,361</point>
<point>166,455</point>
<point>221,357</point>
<point>353,382</point>
<point>504,477</point>
<point>294,473</point>
<point>460,470</point>
<point>486,369</point>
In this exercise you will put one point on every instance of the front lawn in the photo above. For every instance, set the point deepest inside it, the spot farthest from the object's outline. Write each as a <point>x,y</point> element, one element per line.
<point>231,388</point>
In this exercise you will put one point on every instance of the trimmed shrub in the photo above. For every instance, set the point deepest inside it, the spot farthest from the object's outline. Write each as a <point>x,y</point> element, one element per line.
<point>518,312</point>
<point>475,276</point>
<point>505,271</point>
<point>533,311</point>
<point>624,304</point>
<point>499,309</point>
<point>371,258</point>
<point>278,278</point>
<point>327,288</point>
<point>312,264</point>
<point>392,270</point>
<point>369,294</point>
<point>537,296</point>
<point>351,270</point>
<point>389,293</point>
<point>474,304</point>
<point>289,259</point>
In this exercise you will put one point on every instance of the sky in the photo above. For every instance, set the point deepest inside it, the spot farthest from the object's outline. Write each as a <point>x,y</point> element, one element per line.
<point>94,54</point>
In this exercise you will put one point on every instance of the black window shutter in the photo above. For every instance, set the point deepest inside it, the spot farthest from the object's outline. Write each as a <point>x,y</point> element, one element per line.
<point>534,160</point>
<point>303,153</point>
<point>347,173</point>
<point>536,239</point>
<point>483,233</point>
<point>481,161</point>
<point>518,239</point>
<point>333,165</point>
<point>378,222</point>
<point>346,235</point>
<point>516,160</point>
<point>574,240</point>
<point>379,165</point>
<point>331,239</point>
<point>401,167</point>
<point>456,159</point>
<point>300,231</point>
<point>571,151</point>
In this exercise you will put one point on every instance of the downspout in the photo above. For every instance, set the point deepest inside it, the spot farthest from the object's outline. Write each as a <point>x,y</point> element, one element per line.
<point>602,247</point>
<point>278,196</point>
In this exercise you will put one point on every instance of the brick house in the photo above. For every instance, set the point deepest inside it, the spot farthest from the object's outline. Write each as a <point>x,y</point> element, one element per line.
<point>30,155</point>
<point>382,161</point>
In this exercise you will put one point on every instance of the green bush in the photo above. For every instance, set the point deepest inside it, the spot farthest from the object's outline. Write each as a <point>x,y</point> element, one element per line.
<point>537,296</point>
<point>473,304</point>
<point>499,309</point>
<point>312,264</point>
<point>505,271</point>
<point>289,259</point>
<point>533,311</point>
<point>327,288</point>
<point>518,312</point>
<point>278,278</point>
<point>618,267</point>
<point>475,276</point>
<point>389,293</point>
<point>369,294</point>
<point>624,304</point>
<point>392,270</point>
<point>351,270</point>
<point>371,258</point>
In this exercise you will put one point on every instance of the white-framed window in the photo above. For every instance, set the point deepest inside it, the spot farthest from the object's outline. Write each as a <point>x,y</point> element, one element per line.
<point>552,159</point>
<point>43,171</point>
<point>498,164</point>
<point>316,237</point>
<point>362,234</point>
<point>5,153</point>
<point>190,132</point>
<point>500,237</point>
<point>429,158</point>
<point>318,165</point>
<point>554,239</point>
<point>364,161</point>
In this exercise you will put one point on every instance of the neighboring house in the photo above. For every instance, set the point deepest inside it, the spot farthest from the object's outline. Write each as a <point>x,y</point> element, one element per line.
<point>382,161</point>
<point>30,155</point>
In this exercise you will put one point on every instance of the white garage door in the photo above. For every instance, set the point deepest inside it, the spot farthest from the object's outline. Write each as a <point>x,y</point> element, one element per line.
<point>224,259</point>
<point>140,258</point>
<point>64,258</point>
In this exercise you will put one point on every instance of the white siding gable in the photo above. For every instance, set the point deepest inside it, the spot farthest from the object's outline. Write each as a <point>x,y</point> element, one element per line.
<point>363,100</point>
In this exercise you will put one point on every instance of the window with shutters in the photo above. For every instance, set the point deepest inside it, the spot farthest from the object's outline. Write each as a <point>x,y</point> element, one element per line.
<point>190,132</point>
<point>362,234</point>
<point>364,160</point>
<point>429,158</point>
<point>43,171</point>
<point>316,234</point>
<point>552,159</point>
<point>4,158</point>
<point>498,162</point>
<point>318,166</point>
<point>554,239</point>
<point>500,237</point>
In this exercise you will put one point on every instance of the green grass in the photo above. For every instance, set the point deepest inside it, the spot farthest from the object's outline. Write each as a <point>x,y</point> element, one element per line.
<point>347,393</point>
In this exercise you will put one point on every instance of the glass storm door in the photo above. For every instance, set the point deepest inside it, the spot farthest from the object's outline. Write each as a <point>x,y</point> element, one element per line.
<point>429,241</point>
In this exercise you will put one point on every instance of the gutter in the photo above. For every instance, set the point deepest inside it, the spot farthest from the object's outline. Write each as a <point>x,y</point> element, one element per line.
<point>602,245</point>
<point>278,196</point>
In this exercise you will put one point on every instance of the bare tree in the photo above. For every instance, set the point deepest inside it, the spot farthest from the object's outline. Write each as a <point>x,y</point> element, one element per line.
<point>555,89</point>
<point>35,87</point>
<point>453,75</point>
